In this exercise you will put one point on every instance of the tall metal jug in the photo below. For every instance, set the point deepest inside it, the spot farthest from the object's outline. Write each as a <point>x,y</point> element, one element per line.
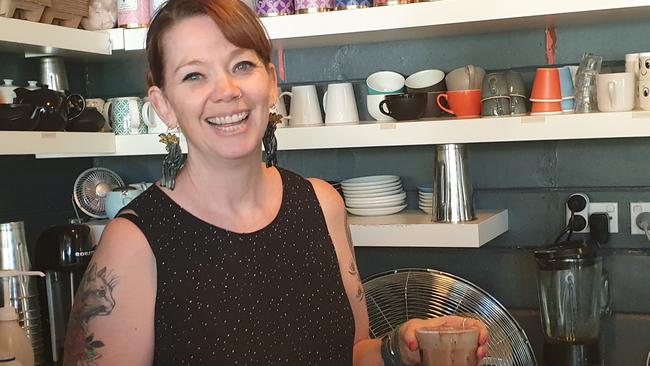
<point>452,188</point>
<point>23,290</point>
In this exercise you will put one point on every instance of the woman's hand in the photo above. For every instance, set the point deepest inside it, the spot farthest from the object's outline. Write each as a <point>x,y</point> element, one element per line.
<point>409,345</point>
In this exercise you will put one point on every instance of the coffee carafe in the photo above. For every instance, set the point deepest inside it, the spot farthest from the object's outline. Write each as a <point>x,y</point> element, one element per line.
<point>63,253</point>
<point>453,199</point>
<point>573,294</point>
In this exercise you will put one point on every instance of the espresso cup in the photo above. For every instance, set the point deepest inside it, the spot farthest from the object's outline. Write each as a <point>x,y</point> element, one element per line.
<point>426,81</point>
<point>385,82</point>
<point>151,119</point>
<point>125,115</point>
<point>340,104</point>
<point>462,103</point>
<point>404,107</point>
<point>372,102</point>
<point>304,106</point>
<point>495,85</point>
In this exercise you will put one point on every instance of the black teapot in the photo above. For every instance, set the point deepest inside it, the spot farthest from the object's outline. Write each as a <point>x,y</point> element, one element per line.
<point>52,108</point>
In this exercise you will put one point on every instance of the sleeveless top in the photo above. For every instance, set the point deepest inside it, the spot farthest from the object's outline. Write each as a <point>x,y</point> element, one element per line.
<point>271,297</point>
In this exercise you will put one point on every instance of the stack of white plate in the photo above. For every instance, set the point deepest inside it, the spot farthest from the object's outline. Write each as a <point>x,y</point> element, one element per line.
<point>374,195</point>
<point>425,198</point>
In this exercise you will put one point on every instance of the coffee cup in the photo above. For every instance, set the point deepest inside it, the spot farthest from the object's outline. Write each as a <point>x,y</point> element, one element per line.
<point>546,85</point>
<point>495,85</point>
<point>100,105</point>
<point>632,65</point>
<point>644,94</point>
<point>280,108</point>
<point>462,103</point>
<point>151,119</point>
<point>518,105</point>
<point>372,102</point>
<point>615,92</point>
<point>314,6</point>
<point>124,114</point>
<point>340,104</point>
<point>385,82</point>
<point>404,107</point>
<point>644,65</point>
<point>304,106</point>
<point>516,84</point>
<point>431,108</point>
<point>465,78</point>
<point>495,106</point>
<point>426,81</point>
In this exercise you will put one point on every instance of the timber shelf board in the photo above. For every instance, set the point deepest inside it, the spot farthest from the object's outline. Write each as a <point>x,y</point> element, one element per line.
<point>414,228</point>
<point>35,39</point>
<point>61,143</point>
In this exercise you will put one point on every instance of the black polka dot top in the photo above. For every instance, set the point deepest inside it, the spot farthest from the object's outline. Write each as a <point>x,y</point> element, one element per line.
<point>270,297</point>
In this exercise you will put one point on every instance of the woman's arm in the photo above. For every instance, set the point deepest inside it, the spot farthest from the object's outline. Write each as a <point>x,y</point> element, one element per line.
<point>112,318</point>
<point>366,351</point>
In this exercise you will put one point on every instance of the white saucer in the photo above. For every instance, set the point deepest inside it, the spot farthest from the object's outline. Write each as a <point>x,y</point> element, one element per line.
<point>369,180</point>
<point>371,200</point>
<point>385,191</point>
<point>375,211</point>
<point>372,195</point>
<point>371,187</point>
<point>375,205</point>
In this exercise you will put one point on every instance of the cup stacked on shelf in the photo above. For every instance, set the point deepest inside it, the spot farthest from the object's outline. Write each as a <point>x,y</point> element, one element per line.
<point>546,94</point>
<point>425,198</point>
<point>374,195</point>
<point>644,80</point>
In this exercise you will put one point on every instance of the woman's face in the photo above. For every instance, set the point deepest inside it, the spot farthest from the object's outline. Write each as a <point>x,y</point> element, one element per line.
<point>218,93</point>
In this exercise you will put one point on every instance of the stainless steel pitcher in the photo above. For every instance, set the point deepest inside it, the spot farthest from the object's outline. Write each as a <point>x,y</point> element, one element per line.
<point>52,73</point>
<point>452,188</point>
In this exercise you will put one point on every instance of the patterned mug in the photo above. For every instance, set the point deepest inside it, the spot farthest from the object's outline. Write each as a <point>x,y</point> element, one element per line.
<point>271,8</point>
<point>124,115</point>
<point>353,4</point>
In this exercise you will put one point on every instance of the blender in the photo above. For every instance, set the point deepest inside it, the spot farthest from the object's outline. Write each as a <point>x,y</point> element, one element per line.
<point>573,295</point>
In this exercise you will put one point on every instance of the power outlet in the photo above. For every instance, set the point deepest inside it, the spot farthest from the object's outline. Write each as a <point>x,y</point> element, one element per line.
<point>610,208</point>
<point>635,209</point>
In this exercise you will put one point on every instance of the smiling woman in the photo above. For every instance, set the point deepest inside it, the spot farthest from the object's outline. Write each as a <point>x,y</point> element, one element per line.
<point>230,261</point>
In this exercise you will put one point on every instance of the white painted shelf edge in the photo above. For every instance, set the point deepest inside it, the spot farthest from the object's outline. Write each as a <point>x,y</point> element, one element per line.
<point>429,132</point>
<point>410,228</point>
<point>39,38</point>
<point>414,228</point>
<point>428,19</point>
<point>61,143</point>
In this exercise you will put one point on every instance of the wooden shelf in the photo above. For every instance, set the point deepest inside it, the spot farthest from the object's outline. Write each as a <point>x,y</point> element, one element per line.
<point>413,228</point>
<point>429,132</point>
<point>34,39</point>
<point>431,19</point>
<point>68,143</point>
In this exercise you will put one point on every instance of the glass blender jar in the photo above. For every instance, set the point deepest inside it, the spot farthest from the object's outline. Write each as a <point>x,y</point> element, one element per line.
<point>573,294</point>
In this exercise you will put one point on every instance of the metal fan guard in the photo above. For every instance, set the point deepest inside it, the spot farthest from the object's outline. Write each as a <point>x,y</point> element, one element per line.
<point>396,296</point>
<point>84,190</point>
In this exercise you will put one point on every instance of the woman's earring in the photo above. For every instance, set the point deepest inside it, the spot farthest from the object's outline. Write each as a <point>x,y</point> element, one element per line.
<point>173,161</point>
<point>269,140</point>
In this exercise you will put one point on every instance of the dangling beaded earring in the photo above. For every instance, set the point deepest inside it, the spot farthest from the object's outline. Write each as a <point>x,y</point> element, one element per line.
<point>269,140</point>
<point>174,160</point>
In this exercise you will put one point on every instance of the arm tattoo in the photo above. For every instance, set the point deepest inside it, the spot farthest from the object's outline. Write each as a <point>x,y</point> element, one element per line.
<point>94,298</point>
<point>352,269</point>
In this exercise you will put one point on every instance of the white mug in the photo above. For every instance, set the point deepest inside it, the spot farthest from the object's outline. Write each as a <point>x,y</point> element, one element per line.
<point>150,117</point>
<point>304,106</point>
<point>339,104</point>
<point>644,94</point>
<point>372,102</point>
<point>644,65</point>
<point>281,109</point>
<point>615,92</point>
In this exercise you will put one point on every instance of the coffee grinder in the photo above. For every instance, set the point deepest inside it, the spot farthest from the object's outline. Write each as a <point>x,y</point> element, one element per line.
<point>573,294</point>
<point>63,253</point>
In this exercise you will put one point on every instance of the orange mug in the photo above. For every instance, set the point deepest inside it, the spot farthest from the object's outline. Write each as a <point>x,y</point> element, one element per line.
<point>462,103</point>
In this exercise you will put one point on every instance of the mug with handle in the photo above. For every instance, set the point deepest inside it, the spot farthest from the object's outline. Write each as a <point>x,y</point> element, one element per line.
<point>462,103</point>
<point>124,114</point>
<point>151,119</point>
<point>304,106</point>
<point>339,104</point>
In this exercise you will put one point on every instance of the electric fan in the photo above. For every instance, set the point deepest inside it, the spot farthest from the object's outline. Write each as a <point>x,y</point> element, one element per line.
<point>90,190</point>
<point>397,296</point>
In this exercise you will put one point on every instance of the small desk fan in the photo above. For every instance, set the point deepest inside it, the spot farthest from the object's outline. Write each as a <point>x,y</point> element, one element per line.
<point>90,190</point>
<point>397,296</point>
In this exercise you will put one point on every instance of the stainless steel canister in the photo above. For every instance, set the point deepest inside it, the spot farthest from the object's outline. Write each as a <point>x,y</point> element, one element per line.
<point>52,73</point>
<point>23,290</point>
<point>452,188</point>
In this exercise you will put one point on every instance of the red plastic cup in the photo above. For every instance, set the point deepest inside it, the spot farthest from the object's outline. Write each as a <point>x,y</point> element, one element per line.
<point>546,108</point>
<point>546,85</point>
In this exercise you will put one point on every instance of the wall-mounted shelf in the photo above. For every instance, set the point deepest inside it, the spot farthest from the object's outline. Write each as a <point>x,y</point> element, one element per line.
<point>34,38</point>
<point>413,228</point>
<point>431,19</point>
<point>68,143</point>
<point>429,132</point>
